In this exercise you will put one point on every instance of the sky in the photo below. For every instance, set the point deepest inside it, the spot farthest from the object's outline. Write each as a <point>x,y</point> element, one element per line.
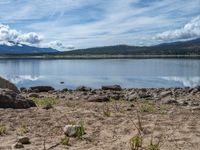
<point>74,24</point>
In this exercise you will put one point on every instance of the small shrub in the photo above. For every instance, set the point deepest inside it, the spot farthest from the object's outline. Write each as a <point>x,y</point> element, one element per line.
<point>65,141</point>
<point>147,107</point>
<point>2,129</point>
<point>23,129</point>
<point>136,142</point>
<point>106,111</point>
<point>44,101</point>
<point>154,146</point>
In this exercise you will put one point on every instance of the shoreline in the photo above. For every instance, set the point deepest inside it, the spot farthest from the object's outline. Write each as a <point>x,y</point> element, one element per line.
<point>35,56</point>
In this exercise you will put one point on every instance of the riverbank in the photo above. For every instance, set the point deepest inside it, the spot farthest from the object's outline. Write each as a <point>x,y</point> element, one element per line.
<point>111,116</point>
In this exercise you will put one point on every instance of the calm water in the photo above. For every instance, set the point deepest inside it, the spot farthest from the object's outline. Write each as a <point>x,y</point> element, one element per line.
<point>94,73</point>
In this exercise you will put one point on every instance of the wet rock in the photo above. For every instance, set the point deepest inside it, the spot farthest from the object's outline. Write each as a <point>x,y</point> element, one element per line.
<point>35,95</point>
<point>17,145</point>
<point>5,84</point>
<point>112,87</point>
<point>42,88</point>
<point>10,99</point>
<point>23,140</point>
<point>83,88</point>
<point>98,98</point>
<point>71,130</point>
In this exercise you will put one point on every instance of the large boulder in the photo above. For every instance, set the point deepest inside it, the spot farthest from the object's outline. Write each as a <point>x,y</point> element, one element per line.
<point>41,89</point>
<point>112,87</point>
<point>10,99</point>
<point>5,84</point>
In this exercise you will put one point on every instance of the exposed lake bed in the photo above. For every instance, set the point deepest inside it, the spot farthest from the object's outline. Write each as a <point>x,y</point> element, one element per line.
<point>109,115</point>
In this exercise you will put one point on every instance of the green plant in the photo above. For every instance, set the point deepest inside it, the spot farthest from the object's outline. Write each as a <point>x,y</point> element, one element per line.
<point>65,141</point>
<point>147,107</point>
<point>136,142</point>
<point>154,146</point>
<point>2,129</point>
<point>44,101</point>
<point>106,111</point>
<point>80,131</point>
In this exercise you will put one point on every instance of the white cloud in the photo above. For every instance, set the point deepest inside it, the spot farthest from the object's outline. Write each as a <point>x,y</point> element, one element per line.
<point>190,30</point>
<point>58,45</point>
<point>11,35</point>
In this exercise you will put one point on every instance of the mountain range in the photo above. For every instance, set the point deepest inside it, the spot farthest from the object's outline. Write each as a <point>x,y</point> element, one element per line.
<point>23,49</point>
<point>191,47</point>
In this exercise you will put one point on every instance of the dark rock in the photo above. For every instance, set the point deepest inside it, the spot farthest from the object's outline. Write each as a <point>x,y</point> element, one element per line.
<point>65,90</point>
<point>5,84</point>
<point>23,89</point>
<point>23,140</point>
<point>83,88</point>
<point>10,99</point>
<point>17,145</point>
<point>42,88</point>
<point>48,106</point>
<point>62,82</point>
<point>112,87</point>
<point>97,98</point>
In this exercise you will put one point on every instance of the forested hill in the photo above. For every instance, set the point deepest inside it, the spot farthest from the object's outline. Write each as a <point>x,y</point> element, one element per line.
<point>177,48</point>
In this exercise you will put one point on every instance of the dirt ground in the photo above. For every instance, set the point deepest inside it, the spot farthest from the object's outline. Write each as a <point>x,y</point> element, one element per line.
<point>108,125</point>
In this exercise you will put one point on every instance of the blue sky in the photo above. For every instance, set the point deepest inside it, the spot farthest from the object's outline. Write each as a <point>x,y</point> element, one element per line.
<point>65,24</point>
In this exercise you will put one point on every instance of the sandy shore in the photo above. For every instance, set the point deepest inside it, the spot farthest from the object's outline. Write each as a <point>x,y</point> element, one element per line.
<point>168,116</point>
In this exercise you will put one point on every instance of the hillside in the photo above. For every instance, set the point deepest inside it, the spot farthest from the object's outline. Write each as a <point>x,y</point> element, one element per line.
<point>191,47</point>
<point>23,49</point>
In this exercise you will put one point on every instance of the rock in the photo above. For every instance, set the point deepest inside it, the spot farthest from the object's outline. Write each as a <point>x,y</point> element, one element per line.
<point>165,94</point>
<point>17,145</point>
<point>71,130</point>
<point>97,98</point>
<point>5,84</point>
<point>112,87</point>
<point>132,97</point>
<point>35,95</point>
<point>42,88</point>
<point>170,101</point>
<point>23,89</point>
<point>193,104</point>
<point>10,99</point>
<point>65,90</point>
<point>62,82</point>
<point>198,87</point>
<point>83,88</point>
<point>23,140</point>
<point>48,106</point>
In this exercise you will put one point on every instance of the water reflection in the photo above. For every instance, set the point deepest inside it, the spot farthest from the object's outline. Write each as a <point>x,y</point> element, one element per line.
<point>94,73</point>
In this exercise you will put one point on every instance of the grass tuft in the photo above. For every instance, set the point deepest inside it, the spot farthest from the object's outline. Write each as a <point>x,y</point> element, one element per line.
<point>44,101</point>
<point>2,129</point>
<point>136,142</point>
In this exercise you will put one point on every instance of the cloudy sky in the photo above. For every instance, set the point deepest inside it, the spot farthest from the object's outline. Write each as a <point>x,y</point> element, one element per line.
<point>65,24</point>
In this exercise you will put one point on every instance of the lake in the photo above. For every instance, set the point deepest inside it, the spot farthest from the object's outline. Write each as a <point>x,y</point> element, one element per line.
<point>96,72</point>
